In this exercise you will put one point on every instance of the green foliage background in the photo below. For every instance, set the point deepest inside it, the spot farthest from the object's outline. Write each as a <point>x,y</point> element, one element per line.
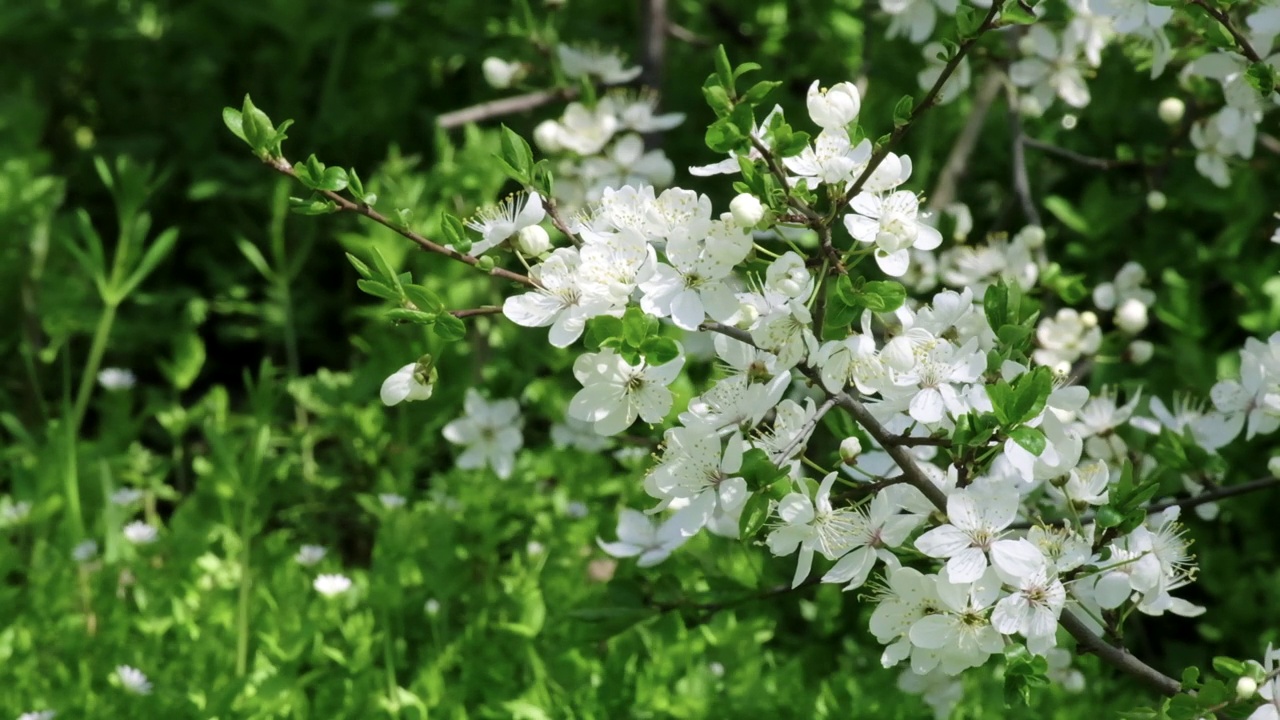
<point>255,425</point>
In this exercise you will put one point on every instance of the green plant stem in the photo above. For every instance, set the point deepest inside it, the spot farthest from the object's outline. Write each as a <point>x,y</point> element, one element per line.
<point>246,586</point>
<point>88,378</point>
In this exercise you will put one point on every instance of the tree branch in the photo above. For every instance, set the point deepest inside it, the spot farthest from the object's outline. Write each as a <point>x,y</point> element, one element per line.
<point>472,312</point>
<point>1075,157</point>
<point>284,167</point>
<point>503,106</point>
<point>944,191</point>
<point>1225,21</point>
<point>992,17</point>
<point>1187,502</point>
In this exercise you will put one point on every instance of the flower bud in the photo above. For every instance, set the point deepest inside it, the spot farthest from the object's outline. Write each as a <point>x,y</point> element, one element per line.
<point>547,136</point>
<point>1246,687</point>
<point>850,449</point>
<point>1033,236</point>
<point>432,607</point>
<point>1273,466</point>
<point>484,264</point>
<point>1131,316</point>
<point>533,241</point>
<point>835,108</point>
<point>1088,319</point>
<point>1171,110</point>
<point>499,73</point>
<point>747,314</point>
<point>747,210</point>
<point>1140,351</point>
<point>1157,201</point>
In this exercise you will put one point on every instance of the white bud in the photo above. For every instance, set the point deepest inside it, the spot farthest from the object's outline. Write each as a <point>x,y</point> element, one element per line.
<point>789,287</point>
<point>1088,319</point>
<point>1069,121</point>
<point>547,136</point>
<point>747,210</point>
<point>499,73</point>
<point>1157,201</point>
<point>748,315</point>
<point>1033,236</point>
<point>1140,351</point>
<point>1171,110</point>
<point>850,449</point>
<point>533,241</point>
<point>1273,466</point>
<point>432,606</point>
<point>1246,687</point>
<point>1131,316</point>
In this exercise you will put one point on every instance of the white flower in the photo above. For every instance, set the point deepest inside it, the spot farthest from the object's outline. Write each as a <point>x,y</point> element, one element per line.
<point>431,607</point>
<point>1128,285</point>
<point>499,222</point>
<point>955,85</point>
<point>907,597</point>
<point>127,496</point>
<point>637,111</point>
<point>812,525</point>
<point>578,435</point>
<point>12,513</point>
<point>499,73</point>
<point>640,535</point>
<point>533,241</point>
<point>961,635</point>
<point>694,285</point>
<point>391,501</point>
<point>116,378</point>
<point>309,555</point>
<point>1065,337</point>
<point>834,108</point>
<point>787,332</point>
<point>84,551</point>
<point>415,381</point>
<point>893,224</point>
<point>877,525</point>
<point>695,470</point>
<point>586,131</point>
<point>38,715</point>
<point>979,515</point>
<point>140,533</point>
<point>132,680</point>
<point>606,65</point>
<point>1086,484</point>
<point>1051,69</point>
<point>831,159</point>
<point>614,392</point>
<point>1032,610</point>
<point>915,18</point>
<point>490,430</point>
<point>330,585</point>
<point>560,300</point>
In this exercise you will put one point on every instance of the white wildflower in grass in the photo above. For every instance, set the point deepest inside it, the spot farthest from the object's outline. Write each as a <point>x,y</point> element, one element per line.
<point>84,551</point>
<point>644,538</point>
<point>490,432</point>
<point>331,585</point>
<point>140,533</point>
<point>309,555</point>
<point>132,680</point>
<point>431,607</point>
<point>116,378</point>
<point>498,222</point>
<point>13,513</point>
<point>38,715</point>
<point>391,501</point>
<point>127,496</point>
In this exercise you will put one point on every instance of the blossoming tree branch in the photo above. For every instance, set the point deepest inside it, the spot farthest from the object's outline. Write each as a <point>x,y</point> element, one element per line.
<point>981,498</point>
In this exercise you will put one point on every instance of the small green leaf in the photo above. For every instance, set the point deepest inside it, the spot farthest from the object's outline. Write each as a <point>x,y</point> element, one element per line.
<point>902,111</point>
<point>423,298</point>
<point>360,267</point>
<point>378,289</point>
<point>449,328</point>
<point>755,512</point>
<point>660,350</point>
<point>1030,439</point>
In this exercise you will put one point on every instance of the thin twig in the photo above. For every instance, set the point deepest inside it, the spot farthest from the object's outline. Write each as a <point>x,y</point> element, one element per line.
<point>1220,493</point>
<point>684,34</point>
<point>283,166</point>
<point>944,191</point>
<point>930,98</point>
<point>472,312</point>
<point>912,441</point>
<point>553,212</point>
<point>1021,179</point>
<point>1075,157</point>
<point>1225,21</point>
<point>504,106</point>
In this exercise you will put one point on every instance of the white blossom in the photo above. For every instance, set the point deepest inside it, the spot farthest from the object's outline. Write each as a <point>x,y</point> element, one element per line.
<point>490,430</point>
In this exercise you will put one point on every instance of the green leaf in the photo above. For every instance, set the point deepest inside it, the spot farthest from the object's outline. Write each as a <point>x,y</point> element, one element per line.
<point>449,328</point>
<point>755,512</point>
<point>378,289</point>
<point>995,304</point>
<point>718,98</point>
<point>1228,666</point>
<point>234,121</point>
<point>1029,438</point>
<point>601,329</point>
<point>883,295</point>
<point>385,273</point>
<point>360,267</point>
<point>902,111</point>
<point>1017,13</point>
<point>155,254</point>
<point>188,358</point>
<point>423,298</point>
<point>758,92</point>
<point>636,326</point>
<point>723,136</point>
<point>660,350</point>
<point>968,20</point>
<point>1062,209</point>
<point>1108,517</point>
<point>724,71</point>
<point>1261,77</point>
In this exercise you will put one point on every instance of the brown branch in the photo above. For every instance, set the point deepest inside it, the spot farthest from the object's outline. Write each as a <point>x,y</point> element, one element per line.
<point>1087,640</point>
<point>1225,21</point>
<point>1191,501</point>
<point>1075,157</point>
<point>283,166</point>
<point>472,312</point>
<point>957,165</point>
<point>1021,179</point>
<point>553,212</point>
<point>503,106</point>
<point>912,441</point>
<point>930,98</point>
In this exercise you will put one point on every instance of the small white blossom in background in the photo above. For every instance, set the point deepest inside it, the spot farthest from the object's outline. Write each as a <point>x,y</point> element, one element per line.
<point>642,537</point>
<point>490,432</point>
<point>309,555</point>
<point>384,10</point>
<point>330,585</point>
<point>578,435</point>
<point>499,73</point>
<point>940,691</point>
<point>415,381</point>
<point>576,510</point>
<point>12,513</point>
<point>1065,338</point>
<point>431,607</point>
<point>716,669</point>
<point>116,378</point>
<point>955,85</point>
<point>127,496</point>
<point>140,533</point>
<point>84,551</point>
<point>391,501</point>
<point>38,715</point>
<point>607,65</point>
<point>132,680</point>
